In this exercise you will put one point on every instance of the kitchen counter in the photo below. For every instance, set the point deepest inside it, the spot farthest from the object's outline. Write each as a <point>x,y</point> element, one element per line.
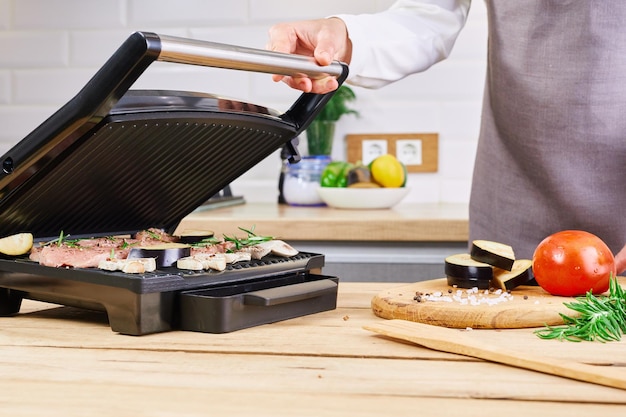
<point>406,243</point>
<point>64,361</point>
<point>402,223</point>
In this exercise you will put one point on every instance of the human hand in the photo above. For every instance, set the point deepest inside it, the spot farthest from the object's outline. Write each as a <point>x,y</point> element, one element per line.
<point>620,261</point>
<point>326,40</point>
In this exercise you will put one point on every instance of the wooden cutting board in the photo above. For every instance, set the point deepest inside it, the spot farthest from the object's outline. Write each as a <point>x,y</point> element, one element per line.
<point>529,306</point>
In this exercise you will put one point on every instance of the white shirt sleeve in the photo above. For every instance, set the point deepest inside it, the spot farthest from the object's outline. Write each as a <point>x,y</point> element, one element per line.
<point>409,37</point>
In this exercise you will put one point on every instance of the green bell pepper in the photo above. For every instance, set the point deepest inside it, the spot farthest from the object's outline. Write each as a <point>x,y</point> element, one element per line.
<point>335,174</point>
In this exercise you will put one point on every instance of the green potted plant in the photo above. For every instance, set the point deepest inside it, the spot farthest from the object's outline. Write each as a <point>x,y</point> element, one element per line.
<point>321,131</point>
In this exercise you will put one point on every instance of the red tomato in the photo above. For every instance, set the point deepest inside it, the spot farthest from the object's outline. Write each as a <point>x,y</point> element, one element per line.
<point>572,262</point>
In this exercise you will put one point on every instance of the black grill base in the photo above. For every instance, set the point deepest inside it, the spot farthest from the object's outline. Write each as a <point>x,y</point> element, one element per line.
<point>245,295</point>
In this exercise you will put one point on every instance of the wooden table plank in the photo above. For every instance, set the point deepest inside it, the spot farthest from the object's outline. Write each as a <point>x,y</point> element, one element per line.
<point>337,383</point>
<point>77,399</point>
<point>298,374</point>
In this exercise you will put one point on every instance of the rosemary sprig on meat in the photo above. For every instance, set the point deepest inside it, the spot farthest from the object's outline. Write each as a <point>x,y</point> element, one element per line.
<point>154,235</point>
<point>601,318</point>
<point>251,240</point>
<point>62,240</point>
<point>207,241</point>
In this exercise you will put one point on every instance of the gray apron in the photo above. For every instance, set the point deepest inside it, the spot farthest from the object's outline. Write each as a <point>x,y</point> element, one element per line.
<point>552,147</point>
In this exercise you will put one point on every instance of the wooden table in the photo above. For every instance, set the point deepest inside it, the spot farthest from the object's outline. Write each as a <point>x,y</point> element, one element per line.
<point>62,361</point>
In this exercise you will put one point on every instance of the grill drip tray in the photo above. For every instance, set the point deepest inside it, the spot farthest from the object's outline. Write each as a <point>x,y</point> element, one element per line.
<point>245,295</point>
<point>229,308</point>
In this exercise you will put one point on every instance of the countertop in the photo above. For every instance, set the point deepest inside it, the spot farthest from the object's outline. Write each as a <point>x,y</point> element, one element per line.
<point>64,361</point>
<point>402,223</point>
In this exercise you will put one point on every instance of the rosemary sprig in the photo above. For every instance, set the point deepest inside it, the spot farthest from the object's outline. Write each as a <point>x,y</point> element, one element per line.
<point>601,318</point>
<point>154,235</point>
<point>251,240</point>
<point>126,245</point>
<point>62,240</point>
<point>208,241</point>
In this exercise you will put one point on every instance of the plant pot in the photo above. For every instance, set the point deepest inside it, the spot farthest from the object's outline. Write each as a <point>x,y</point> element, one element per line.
<point>319,135</point>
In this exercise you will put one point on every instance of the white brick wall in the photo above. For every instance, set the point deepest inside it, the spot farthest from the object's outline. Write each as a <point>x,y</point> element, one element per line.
<point>49,49</point>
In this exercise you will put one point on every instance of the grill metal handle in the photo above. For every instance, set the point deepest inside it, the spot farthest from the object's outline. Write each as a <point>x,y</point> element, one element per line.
<point>197,52</point>
<point>290,293</point>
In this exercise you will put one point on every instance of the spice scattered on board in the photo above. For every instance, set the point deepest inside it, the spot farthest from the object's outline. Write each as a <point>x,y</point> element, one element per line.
<point>469,296</point>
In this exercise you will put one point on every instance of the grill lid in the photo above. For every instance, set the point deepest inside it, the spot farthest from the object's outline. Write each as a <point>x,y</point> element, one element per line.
<point>114,161</point>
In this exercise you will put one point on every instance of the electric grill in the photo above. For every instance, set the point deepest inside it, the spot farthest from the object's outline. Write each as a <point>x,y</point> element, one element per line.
<point>115,161</point>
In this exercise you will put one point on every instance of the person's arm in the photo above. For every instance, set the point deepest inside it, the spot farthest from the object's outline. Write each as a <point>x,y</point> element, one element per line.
<point>381,48</point>
<point>407,38</point>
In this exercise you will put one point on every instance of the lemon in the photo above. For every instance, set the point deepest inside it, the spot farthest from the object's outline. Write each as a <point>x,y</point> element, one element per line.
<point>388,171</point>
<point>18,244</point>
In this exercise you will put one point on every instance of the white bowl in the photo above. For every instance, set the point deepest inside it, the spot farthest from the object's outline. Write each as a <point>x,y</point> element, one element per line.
<point>362,198</point>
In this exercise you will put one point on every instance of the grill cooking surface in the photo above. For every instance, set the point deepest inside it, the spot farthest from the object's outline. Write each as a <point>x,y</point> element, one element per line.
<point>169,279</point>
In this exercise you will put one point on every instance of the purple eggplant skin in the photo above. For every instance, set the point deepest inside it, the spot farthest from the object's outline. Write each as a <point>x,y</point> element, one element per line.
<point>165,256</point>
<point>191,237</point>
<point>359,174</point>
